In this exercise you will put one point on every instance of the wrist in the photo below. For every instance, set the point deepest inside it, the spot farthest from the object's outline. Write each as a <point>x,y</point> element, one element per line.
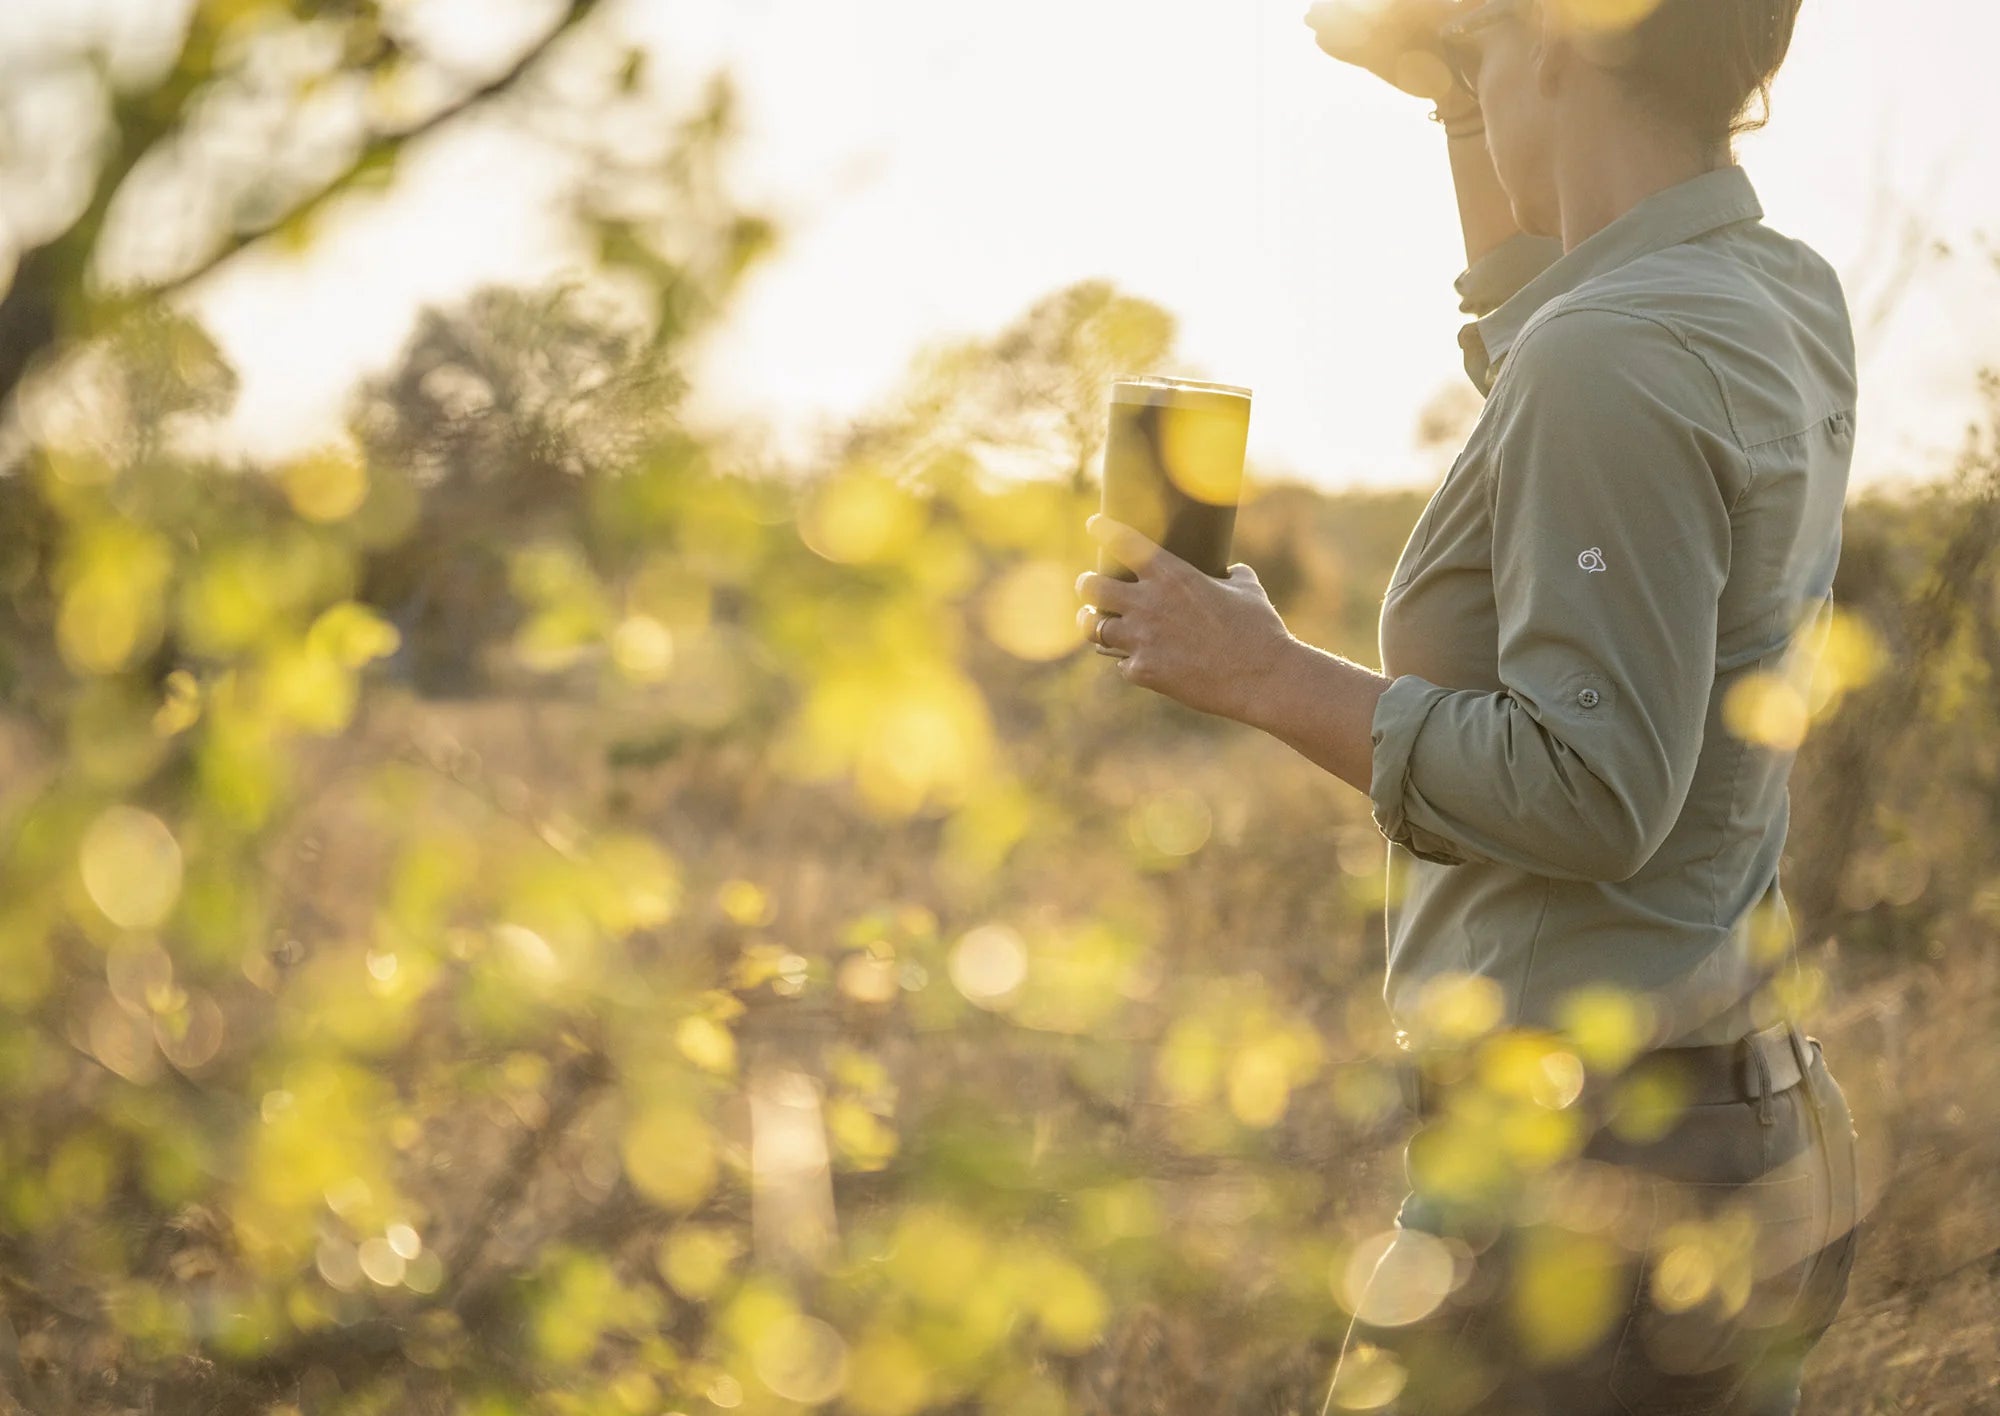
<point>1256,695</point>
<point>1471,125</point>
<point>1459,113</point>
<point>1456,109</point>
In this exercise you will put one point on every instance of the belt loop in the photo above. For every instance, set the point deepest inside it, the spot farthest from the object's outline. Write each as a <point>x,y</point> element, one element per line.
<point>1764,1117</point>
<point>1802,1050</point>
<point>1798,1041</point>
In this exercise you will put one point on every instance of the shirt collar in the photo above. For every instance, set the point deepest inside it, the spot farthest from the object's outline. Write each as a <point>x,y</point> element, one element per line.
<point>1716,198</point>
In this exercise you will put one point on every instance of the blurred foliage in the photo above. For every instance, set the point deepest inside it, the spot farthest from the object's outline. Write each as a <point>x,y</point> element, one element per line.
<point>523,912</point>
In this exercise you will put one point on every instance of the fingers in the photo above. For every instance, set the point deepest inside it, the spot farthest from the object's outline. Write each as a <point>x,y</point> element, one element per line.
<point>1342,33</point>
<point>1113,635</point>
<point>1132,549</point>
<point>1107,592</point>
<point>1116,635</point>
<point>1387,40</point>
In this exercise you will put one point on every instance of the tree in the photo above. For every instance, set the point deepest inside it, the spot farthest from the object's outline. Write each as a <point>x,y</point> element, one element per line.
<point>1033,396</point>
<point>163,125</point>
<point>498,420</point>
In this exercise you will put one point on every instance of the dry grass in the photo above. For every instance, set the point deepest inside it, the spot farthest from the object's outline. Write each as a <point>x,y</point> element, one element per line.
<point>1916,1046</point>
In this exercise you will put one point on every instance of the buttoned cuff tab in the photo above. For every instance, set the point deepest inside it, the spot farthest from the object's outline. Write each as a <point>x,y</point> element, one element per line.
<point>1496,277</point>
<point>1399,717</point>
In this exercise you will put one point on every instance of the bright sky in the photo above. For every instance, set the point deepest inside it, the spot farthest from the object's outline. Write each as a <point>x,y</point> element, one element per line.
<point>940,167</point>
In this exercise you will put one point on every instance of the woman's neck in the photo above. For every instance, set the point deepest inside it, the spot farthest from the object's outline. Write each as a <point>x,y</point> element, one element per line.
<point>1613,167</point>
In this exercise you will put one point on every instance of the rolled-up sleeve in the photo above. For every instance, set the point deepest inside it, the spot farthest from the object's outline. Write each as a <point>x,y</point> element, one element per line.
<point>1496,277</point>
<point>1613,475</point>
<point>1398,804</point>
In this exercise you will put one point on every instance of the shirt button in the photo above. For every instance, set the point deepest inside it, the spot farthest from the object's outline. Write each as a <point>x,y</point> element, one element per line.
<point>1588,698</point>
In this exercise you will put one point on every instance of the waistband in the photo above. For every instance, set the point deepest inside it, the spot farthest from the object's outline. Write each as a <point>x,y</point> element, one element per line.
<point>1753,1068</point>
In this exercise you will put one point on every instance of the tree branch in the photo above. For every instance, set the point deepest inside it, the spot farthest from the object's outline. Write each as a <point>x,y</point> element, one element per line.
<point>50,276</point>
<point>379,149</point>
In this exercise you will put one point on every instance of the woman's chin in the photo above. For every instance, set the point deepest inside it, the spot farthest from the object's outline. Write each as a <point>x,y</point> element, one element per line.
<point>1535,223</point>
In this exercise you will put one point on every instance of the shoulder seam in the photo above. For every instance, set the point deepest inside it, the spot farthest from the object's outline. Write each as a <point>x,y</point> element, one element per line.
<point>1557,309</point>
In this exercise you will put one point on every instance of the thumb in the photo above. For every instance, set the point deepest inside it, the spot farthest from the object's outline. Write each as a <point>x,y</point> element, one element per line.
<point>1242,571</point>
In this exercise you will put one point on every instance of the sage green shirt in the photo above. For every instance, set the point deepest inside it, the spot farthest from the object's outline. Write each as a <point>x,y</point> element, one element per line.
<point>1647,511</point>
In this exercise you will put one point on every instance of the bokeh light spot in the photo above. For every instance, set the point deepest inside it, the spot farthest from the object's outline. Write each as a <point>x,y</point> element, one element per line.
<point>643,649</point>
<point>669,1155</point>
<point>1684,1272</point>
<point>1030,611</point>
<point>860,516</point>
<point>1397,1277</point>
<point>868,979</point>
<point>706,1043</point>
<point>131,867</point>
<point>888,1375</point>
<point>339,1264</point>
<point>381,1263</point>
<point>1203,455</point>
<point>1368,1380</point>
<point>801,1359</point>
<point>1558,1079</point>
<point>1845,652</point>
<point>328,485</point>
<point>1175,822</point>
<point>1260,1084</point>
<point>405,1240</point>
<point>1565,1293</point>
<point>1607,1026</point>
<point>695,1259</point>
<point>1767,710</point>
<point>745,903</point>
<point>1648,1105</point>
<point>989,964</point>
<point>1456,1008</point>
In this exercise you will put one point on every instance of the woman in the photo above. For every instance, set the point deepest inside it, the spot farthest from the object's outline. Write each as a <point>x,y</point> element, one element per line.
<point>1645,517</point>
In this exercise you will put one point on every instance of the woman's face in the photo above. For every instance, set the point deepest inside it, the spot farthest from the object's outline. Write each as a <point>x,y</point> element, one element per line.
<point>1500,48</point>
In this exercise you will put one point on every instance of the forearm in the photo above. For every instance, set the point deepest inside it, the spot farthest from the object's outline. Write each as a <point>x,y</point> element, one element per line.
<point>1485,214</point>
<point>1322,706</point>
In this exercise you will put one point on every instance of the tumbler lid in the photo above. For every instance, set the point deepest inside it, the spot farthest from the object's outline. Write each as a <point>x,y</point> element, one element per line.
<point>1181,393</point>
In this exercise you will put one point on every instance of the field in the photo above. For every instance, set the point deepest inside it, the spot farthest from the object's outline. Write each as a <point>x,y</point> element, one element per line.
<point>1254,882</point>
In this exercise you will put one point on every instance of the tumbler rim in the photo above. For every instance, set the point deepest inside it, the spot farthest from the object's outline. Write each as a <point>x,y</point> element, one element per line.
<point>1160,388</point>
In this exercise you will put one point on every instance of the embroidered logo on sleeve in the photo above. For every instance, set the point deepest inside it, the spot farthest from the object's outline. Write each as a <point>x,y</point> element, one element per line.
<point>1592,560</point>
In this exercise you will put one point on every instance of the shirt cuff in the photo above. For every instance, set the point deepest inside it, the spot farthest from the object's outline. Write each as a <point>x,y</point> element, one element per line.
<point>1399,717</point>
<point>1496,277</point>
